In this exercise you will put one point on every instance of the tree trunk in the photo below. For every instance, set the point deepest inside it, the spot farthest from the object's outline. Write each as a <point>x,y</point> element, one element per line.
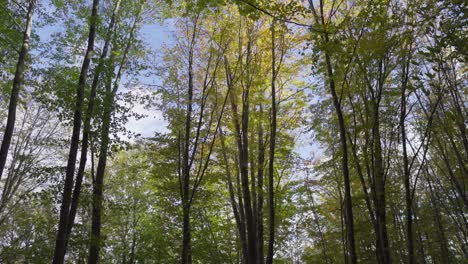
<point>95,244</point>
<point>17,82</point>
<point>406,169</point>
<point>445,253</point>
<point>59,252</point>
<point>244,171</point>
<point>260,171</point>
<point>87,125</point>
<point>186,256</point>
<point>349,221</point>
<point>380,204</point>
<point>187,235</point>
<point>344,163</point>
<point>271,168</point>
<point>111,90</point>
<point>242,140</point>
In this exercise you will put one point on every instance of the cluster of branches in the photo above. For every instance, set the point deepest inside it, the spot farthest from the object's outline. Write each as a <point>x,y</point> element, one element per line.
<point>396,87</point>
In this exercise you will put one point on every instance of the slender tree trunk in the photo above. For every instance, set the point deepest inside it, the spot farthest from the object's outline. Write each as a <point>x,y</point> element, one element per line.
<point>349,219</point>
<point>87,125</point>
<point>344,163</point>
<point>95,244</point>
<point>271,168</point>
<point>239,221</point>
<point>241,134</point>
<point>418,235</point>
<point>253,189</point>
<point>186,257</point>
<point>59,252</point>
<point>17,82</point>
<point>187,236</point>
<point>242,213</point>
<point>380,190</point>
<point>260,171</point>
<point>359,168</point>
<point>244,169</point>
<point>242,140</point>
<point>406,171</point>
<point>111,90</point>
<point>244,216</point>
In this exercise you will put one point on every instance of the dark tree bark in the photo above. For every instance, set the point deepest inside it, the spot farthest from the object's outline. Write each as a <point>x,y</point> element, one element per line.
<point>406,166</point>
<point>17,82</point>
<point>379,194</point>
<point>260,171</point>
<point>87,124</point>
<point>344,163</point>
<point>271,168</point>
<point>98,184</point>
<point>349,221</point>
<point>241,132</point>
<point>444,249</point>
<point>240,223</point>
<point>95,244</point>
<point>376,164</point>
<point>189,183</point>
<point>244,173</point>
<point>186,257</point>
<point>59,252</point>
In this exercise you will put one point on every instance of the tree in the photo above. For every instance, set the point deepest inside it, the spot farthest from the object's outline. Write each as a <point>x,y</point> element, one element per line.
<point>17,82</point>
<point>60,245</point>
<point>111,87</point>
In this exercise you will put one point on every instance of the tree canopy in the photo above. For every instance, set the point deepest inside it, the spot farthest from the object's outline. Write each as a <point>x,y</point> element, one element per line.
<point>233,131</point>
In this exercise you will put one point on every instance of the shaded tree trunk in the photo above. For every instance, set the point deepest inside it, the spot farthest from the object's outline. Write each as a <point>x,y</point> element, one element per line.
<point>271,168</point>
<point>379,193</point>
<point>235,208</point>
<point>17,82</point>
<point>95,244</point>
<point>59,252</point>
<point>260,171</point>
<point>98,183</point>
<point>241,126</point>
<point>87,124</point>
<point>349,221</point>
<point>186,256</point>
<point>406,168</point>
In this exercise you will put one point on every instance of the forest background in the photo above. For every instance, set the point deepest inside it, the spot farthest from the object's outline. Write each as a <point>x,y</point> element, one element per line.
<point>233,131</point>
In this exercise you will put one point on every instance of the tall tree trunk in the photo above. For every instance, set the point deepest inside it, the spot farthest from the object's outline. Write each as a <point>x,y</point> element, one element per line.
<point>344,163</point>
<point>132,248</point>
<point>244,169</point>
<point>98,184</point>
<point>253,189</point>
<point>271,168</point>
<point>260,171</point>
<point>59,252</point>
<point>17,82</point>
<point>406,168</point>
<point>87,124</point>
<point>380,204</point>
<point>245,204</point>
<point>186,256</point>
<point>349,220</point>
<point>235,208</point>
<point>242,140</point>
<point>95,244</point>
